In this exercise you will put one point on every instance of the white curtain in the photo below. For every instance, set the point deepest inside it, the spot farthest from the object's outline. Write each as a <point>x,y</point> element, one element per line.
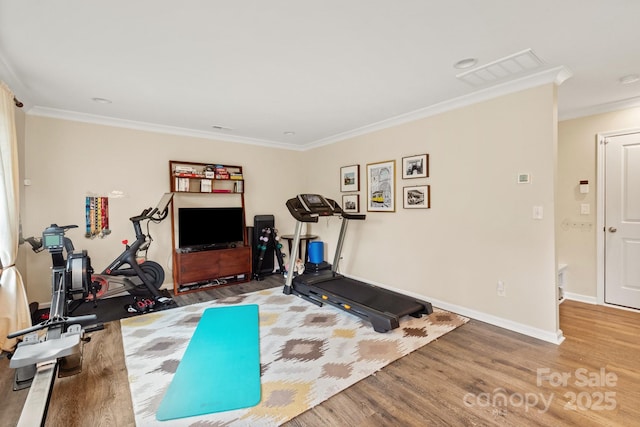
<point>14,307</point>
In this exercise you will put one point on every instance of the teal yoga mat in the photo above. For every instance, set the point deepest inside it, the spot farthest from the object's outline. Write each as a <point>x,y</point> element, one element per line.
<point>220,369</point>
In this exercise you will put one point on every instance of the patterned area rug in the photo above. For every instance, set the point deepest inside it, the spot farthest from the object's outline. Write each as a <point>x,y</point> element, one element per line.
<point>307,354</point>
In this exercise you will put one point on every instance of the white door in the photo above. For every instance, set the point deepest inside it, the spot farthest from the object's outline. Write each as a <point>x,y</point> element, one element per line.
<point>622,220</point>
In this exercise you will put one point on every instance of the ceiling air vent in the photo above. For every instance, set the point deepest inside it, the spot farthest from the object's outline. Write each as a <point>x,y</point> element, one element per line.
<point>503,69</point>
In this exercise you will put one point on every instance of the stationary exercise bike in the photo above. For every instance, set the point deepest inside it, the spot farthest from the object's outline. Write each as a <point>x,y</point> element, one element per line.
<point>126,273</point>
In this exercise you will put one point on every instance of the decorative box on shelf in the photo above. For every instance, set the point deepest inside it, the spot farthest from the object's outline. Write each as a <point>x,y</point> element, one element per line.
<point>192,177</point>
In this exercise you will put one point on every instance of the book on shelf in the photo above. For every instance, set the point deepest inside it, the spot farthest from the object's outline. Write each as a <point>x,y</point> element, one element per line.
<point>205,186</point>
<point>184,169</point>
<point>181,184</point>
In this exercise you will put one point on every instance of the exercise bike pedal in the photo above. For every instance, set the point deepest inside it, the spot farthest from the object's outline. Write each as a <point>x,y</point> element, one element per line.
<point>165,301</point>
<point>136,307</point>
<point>140,306</point>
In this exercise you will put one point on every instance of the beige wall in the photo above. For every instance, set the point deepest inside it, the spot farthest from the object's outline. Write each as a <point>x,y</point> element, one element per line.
<point>480,227</point>
<point>66,161</point>
<point>478,231</point>
<point>577,160</point>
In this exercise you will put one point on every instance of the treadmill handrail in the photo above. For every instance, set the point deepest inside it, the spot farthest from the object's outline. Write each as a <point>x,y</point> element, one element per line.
<point>347,215</point>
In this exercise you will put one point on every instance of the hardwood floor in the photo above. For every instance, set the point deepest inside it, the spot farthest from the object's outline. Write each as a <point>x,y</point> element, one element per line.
<point>476,375</point>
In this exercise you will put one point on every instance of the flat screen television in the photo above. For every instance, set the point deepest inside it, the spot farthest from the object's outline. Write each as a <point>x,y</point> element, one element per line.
<point>210,228</point>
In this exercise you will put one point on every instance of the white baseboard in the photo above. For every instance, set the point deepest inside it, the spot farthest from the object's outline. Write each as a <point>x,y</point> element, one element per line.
<point>553,338</point>
<point>580,298</point>
<point>594,301</point>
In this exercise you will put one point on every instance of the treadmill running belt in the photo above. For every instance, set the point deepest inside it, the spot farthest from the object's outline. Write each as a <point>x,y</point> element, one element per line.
<point>377,298</point>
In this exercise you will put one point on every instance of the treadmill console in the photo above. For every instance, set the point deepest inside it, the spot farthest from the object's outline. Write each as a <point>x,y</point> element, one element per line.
<point>316,204</point>
<point>309,207</point>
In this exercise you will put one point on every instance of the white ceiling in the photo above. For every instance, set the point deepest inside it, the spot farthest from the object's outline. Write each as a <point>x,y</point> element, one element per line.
<point>321,69</point>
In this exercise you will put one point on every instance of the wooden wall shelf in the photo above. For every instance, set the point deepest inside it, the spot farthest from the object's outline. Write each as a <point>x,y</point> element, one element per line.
<point>199,270</point>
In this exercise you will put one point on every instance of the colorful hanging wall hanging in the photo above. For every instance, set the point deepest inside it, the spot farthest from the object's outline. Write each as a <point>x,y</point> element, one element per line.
<point>97,217</point>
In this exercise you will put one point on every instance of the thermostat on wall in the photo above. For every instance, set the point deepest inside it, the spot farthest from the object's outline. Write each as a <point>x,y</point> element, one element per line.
<point>524,178</point>
<point>584,186</point>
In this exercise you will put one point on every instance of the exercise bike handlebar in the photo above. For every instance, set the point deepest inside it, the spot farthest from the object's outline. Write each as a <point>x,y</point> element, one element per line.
<point>161,210</point>
<point>146,214</point>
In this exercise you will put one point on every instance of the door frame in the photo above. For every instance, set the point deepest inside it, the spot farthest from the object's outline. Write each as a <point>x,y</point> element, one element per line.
<point>600,215</point>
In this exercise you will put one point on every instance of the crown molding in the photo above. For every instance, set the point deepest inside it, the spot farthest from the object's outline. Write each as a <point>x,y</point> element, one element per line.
<point>601,109</point>
<point>555,75</point>
<point>153,127</point>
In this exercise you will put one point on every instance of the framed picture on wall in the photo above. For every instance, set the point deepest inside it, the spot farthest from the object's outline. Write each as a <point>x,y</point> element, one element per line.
<point>350,178</point>
<point>416,197</point>
<point>381,186</point>
<point>351,203</point>
<point>415,166</point>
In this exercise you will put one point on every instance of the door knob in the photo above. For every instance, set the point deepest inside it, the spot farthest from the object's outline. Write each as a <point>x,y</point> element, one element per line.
<point>612,229</point>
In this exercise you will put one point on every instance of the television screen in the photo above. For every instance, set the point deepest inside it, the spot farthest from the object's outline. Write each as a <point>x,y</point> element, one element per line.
<point>209,227</point>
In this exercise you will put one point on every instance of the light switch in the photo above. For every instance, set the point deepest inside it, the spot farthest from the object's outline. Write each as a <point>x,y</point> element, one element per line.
<point>537,212</point>
<point>585,209</point>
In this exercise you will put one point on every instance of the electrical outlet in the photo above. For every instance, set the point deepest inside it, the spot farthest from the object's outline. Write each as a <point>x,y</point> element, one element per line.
<point>585,209</point>
<point>501,289</point>
<point>537,212</point>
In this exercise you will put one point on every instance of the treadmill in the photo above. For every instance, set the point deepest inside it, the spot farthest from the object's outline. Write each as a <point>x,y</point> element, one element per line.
<point>379,306</point>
